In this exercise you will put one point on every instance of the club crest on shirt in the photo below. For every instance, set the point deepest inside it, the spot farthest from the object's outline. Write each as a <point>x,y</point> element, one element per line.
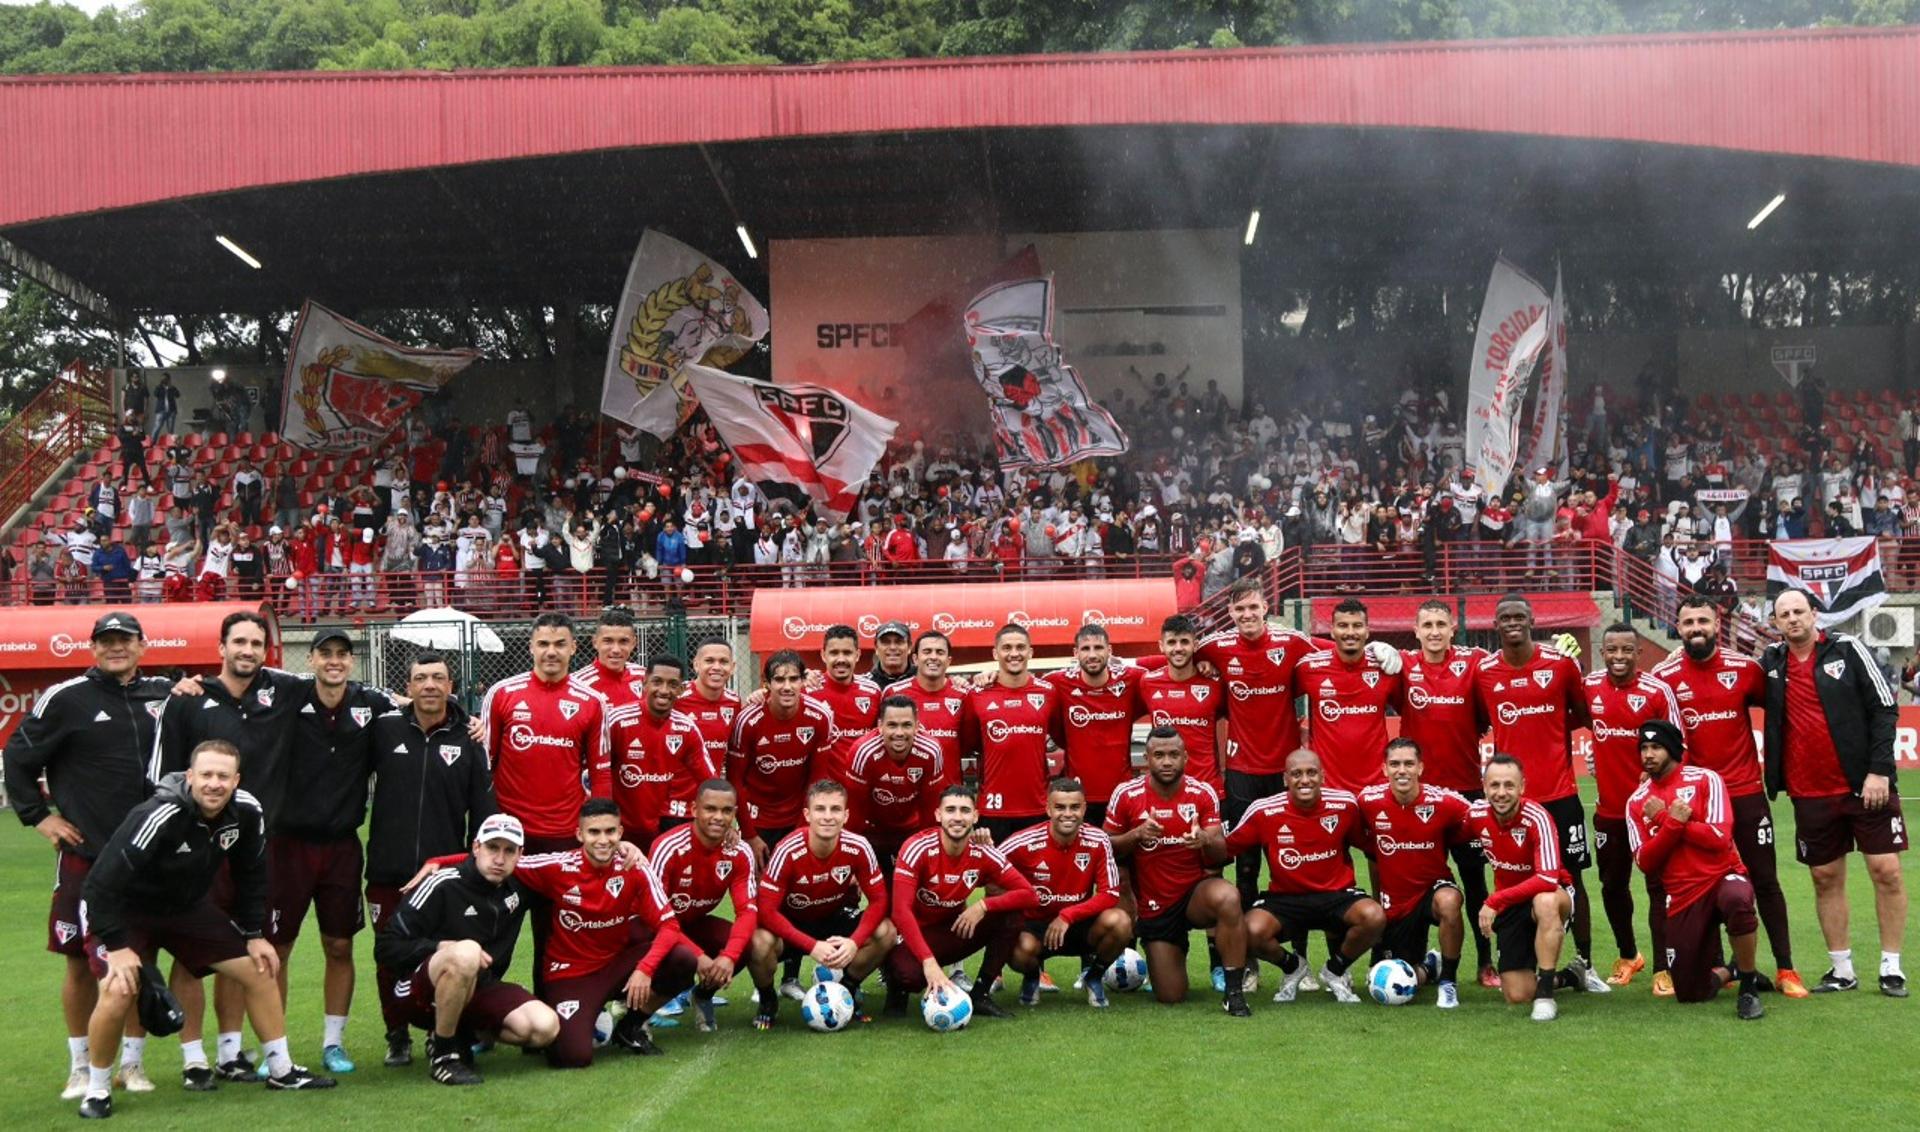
<point>1200,692</point>
<point>914,773</point>
<point>1834,668</point>
<point>1330,823</point>
<point>970,878</point>
<point>1082,860</point>
<point>1636,702</point>
<point>1458,668</point>
<point>864,703</point>
<point>953,705</point>
<point>1036,700</point>
<point>615,885</point>
<point>449,753</point>
<point>1189,812</point>
<point>513,901</point>
<point>1519,835</point>
<point>155,707</point>
<point>1684,794</point>
<point>360,715</point>
<point>806,734</point>
<point>265,696</point>
<point>673,744</point>
<point>1371,679</point>
<point>569,708</point>
<point>1727,679</point>
<point>726,714</point>
<point>840,874</point>
<point>228,836</point>
<point>1424,813</point>
<point>1543,678</point>
<point>1276,656</point>
<point>723,868</point>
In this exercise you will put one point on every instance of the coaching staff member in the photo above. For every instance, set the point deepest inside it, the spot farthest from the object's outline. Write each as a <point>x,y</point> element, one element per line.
<point>1830,718</point>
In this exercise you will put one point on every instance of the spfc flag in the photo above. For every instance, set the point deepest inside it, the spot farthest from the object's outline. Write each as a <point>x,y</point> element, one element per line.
<point>347,387</point>
<point>1042,415</point>
<point>798,442</point>
<point>1842,575</point>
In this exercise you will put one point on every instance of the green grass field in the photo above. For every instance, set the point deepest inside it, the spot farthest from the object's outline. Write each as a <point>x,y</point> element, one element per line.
<point>1623,1061</point>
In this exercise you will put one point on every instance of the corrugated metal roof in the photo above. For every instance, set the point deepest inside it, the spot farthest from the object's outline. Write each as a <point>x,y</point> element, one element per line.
<point>81,144</point>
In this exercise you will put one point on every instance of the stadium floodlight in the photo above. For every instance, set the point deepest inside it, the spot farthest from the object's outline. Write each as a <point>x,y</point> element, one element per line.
<point>1253,225</point>
<point>1759,217</point>
<point>746,241</point>
<point>242,253</point>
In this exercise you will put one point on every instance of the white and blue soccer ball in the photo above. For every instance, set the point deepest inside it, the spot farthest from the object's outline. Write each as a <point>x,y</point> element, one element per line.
<point>1391,982</point>
<point>827,1007</point>
<point>946,1009</point>
<point>1128,972</point>
<point>604,1022</point>
<point>828,974</point>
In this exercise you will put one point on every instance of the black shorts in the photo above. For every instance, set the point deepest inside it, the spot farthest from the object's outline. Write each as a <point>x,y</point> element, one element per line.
<point>1079,939</point>
<point>1244,790</point>
<point>1306,911</point>
<point>63,919</point>
<point>197,938</point>
<point>1693,936</point>
<point>1570,818</point>
<point>1406,937</point>
<point>1096,815</point>
<point>1826,829</point>
<point>1171,926</point>
<point>1005,827</point>
<point>843,922</point>
<point>1513,931</point>
<point>325,874</point>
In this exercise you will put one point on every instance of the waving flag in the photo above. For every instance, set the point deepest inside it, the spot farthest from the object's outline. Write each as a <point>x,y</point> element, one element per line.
<point>1513,330</point>
<point>679,307</point>
<point>1842,574</point>
<point>1042,415</point>
<point>1546,443</point>
<point>347,387</point>
<point>799,442</point>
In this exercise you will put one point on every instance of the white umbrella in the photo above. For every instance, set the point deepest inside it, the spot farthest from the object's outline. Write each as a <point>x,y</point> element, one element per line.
<point>447,630</point>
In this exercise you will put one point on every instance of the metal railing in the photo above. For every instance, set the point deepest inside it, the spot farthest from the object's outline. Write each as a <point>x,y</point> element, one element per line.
<point>71,416</point>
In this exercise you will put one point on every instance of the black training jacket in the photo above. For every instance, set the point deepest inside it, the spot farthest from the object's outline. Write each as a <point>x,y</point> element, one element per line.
<point>456,903</point>
<point>91,737</point>
<point>431,791</point>
<point>1859,704</point>
<point>258,722</point>
<point>329,755</point>
<point>163,858</point>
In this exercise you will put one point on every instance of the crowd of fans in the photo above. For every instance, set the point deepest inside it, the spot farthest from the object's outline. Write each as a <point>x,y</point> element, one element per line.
<point>523,512</point>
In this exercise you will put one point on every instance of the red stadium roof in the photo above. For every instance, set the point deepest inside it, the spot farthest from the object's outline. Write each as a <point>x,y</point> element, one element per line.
<point>106,142</point>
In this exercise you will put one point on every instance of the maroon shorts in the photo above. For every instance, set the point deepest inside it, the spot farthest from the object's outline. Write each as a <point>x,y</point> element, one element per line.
<point>197,938</point>
<point>843,921</point>
<point>995,933</point>
<point>1826,829</point>
<point>383,900</point>
<point>708,933</point>
<point>325,874</point>
<point>63,921</point>
<point>486,1011</point>
<point>1693,936</point>
<point>577,1000</point>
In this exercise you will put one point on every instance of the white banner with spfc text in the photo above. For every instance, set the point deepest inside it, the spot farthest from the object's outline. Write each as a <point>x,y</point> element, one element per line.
<point>1841,574</point>
<point>798,442</point>
<point>1513,330</point>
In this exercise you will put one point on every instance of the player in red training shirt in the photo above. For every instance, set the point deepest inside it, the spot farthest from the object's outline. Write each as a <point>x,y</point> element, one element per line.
<point>1716,690</point>
<point>1620,698</point>
<point>1527,911</point>
<point>1098,705</point>
<point>1681,825</point>
<point>698,868</point>
<point>1009,723</point>
<point>893,787</point>
<point>775,745</point>
<point>1156,823</point>
<point>1176,695</point>
<point>1413,826</point>
<point>937,874</point>
<point>712,705</point>
<point>810,903</point>
<point>1071,866</point>
<point>938,701</point>
<point>852,697</point>
<point>1347,696</point>
<point>1256,662</point>
<point>1436,711</point>
<point>609,676</point>
<point>1530,699</point>
<point>1305,834</point>
<point>654,748</point>
<point>546,737</point>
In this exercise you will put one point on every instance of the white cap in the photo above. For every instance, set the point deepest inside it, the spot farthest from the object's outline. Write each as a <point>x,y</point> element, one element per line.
<point>366,534</point>
<point>502,827</point>
<point>275,531</point>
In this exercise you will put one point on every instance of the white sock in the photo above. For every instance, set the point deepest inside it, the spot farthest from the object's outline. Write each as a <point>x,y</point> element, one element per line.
<point>133,1052</point>
<point>77,1051</point>
<point>279,1064</point>
<point>99,1081</point>
<point>336,1030</point>
<point>1842,963</point>
<point>1890,963</point>
<point>193,1053</point>
<point>228,1046</point>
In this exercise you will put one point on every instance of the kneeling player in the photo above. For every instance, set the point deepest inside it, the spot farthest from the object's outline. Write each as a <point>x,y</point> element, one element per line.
<point>1414,826</point>
<point>1156,823</point>
<point>1681,825</point>
<point>455,937</point>
<point>1071,867</point>
<point>937,873</point>
<point>1527,912</point>
<point>1306,833</point>
<point>697,868</point>
<point>810,902</point>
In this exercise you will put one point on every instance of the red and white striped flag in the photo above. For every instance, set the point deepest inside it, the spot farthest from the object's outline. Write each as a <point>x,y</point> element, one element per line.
<point>1842,575</point>
<point>798,442</point>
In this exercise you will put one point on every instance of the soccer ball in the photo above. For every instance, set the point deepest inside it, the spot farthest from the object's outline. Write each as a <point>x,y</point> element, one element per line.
<point>604,1022</point>
<point>946,1010</point>
<point>828,974</point>
<point>1391,982</point>
<point>1129,972</point>
<point>827,1007</point>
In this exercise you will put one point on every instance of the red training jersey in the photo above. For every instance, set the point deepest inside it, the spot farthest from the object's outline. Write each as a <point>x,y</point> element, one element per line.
<point>1010,728</point>
<point>1617,715</point>
<point>1715,699</point>
<point>1164,870</point>
<point>1409,841</point>
<point>855,707</point>
<point>1074,881</point>
<point>1435,702</point>
<point>1193,707</point>
<point>544,741</point>
<point>617,687</point>
<point>696,877</point>
<point>1531,713</point>
<point>1347,707</point>
<point>1306,848</point>
<point>1812,763</point>
<point>891,799</point>
<point>802,885</point>
<point>1262,726</point>
<point>714,719</point>
<point>594,911</point>
<point>771,761</point>
<point>1524,852</point>
<point>1097,727</point>
<point>1691,858</point>
<point>939,713</point>
<point>653,761</point>
<point>931,886</point>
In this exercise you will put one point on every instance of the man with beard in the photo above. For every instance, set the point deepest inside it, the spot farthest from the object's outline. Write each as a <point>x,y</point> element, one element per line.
<point>1531,902</point>
<point>1412,826</point>
<point>894,784</point>
<point>1071,866</point>
<point>938,700</point>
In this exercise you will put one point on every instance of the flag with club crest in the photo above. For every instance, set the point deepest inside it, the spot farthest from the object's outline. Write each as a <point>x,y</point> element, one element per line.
<point>1842,574</point>
<point>1042,415</point>
<point>804,443</point>
<point>347,387</point>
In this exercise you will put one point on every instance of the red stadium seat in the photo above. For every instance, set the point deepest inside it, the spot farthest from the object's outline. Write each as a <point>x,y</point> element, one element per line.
<point>244,440</point>
<point>306,498</point>
<point>218,440</point>
<point>270,438</point>
<point>327,466</point>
